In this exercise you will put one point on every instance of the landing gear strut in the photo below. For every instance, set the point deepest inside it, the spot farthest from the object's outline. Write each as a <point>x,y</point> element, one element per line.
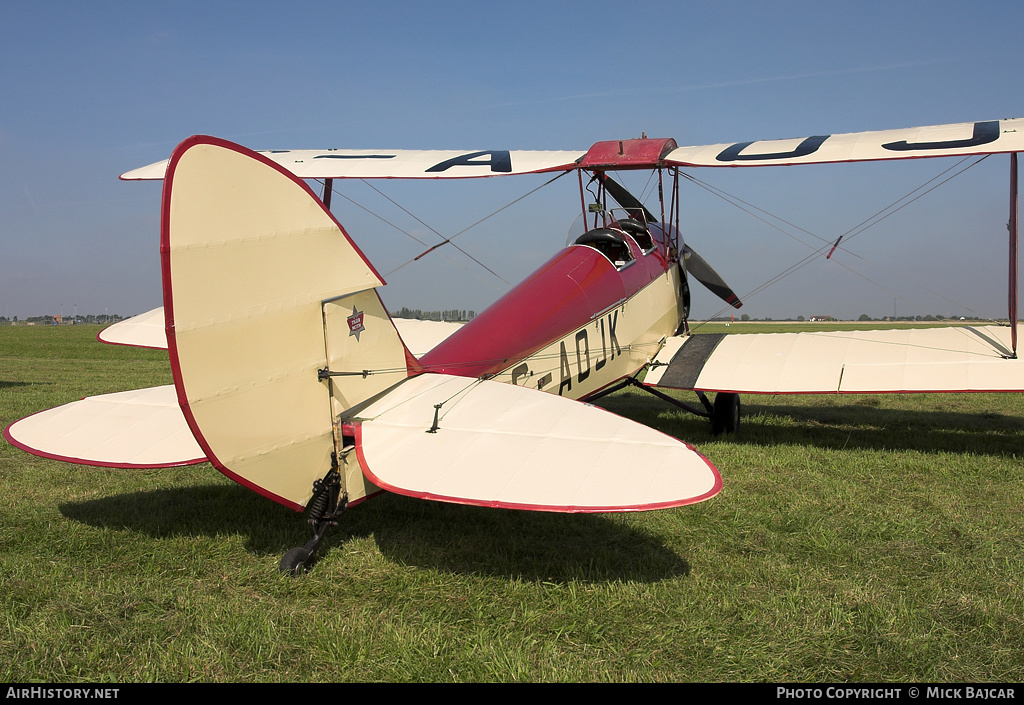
<point>724,412</point>
<point>324,508</point>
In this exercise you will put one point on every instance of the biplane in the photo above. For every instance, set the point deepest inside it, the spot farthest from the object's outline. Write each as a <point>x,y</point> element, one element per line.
<point>291,378</point>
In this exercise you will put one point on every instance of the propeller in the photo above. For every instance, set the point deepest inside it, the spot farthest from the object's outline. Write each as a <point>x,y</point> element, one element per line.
<point>702,272</point>
<point>695,264</point>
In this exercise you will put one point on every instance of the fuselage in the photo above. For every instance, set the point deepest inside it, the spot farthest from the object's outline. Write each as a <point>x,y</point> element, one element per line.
<point>574,326</point>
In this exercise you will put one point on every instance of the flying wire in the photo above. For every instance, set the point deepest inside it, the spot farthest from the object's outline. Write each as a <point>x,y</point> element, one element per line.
<point>831,245</point>
<point>506,362</point>
<point>486,217</point>
<point>420,221</point>
<point>413,237</point>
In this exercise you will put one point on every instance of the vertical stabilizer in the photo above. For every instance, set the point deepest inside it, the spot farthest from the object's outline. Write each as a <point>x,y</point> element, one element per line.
<point>263,290</point>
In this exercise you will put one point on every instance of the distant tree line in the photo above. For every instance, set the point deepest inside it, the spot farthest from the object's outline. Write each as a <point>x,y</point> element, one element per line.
<point>102,319</point>
<point>456,315</point>
<point>929,317</point>
<point>863,317</point>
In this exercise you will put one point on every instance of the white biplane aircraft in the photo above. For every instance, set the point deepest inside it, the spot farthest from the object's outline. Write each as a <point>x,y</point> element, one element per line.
<point>291,378</point>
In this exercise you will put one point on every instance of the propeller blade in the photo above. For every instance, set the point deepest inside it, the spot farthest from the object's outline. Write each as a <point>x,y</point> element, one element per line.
<point>702,272</point>
<point>695,264</point>
<point>625,199</point>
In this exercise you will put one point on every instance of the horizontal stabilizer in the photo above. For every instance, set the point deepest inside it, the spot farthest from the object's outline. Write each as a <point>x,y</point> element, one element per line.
<point>491,444</point>
<point>951,359</point>
<point>143,428</point>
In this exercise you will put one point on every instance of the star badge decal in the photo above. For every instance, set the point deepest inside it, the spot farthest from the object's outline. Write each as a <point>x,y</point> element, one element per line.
<point>355,323</point>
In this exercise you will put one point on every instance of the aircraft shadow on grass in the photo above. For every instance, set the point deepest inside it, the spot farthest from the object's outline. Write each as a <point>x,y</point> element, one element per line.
<point>453,538</point>
<point>542,546</point>
<point>7,384</point>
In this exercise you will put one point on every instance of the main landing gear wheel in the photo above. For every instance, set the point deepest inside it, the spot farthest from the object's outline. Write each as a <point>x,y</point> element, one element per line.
<point>725,415</point>
<point>684,292</point>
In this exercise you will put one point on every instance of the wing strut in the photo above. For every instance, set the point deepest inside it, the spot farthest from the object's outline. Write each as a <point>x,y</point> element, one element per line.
<point>1013,252</point>
<point>328,190</point>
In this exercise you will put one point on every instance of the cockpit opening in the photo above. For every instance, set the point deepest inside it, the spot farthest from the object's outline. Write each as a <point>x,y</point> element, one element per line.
<point>609,243</point>
<point>639,232</point>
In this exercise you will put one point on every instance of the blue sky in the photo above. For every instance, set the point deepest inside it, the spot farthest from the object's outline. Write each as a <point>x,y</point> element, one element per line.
<point>95,89</point>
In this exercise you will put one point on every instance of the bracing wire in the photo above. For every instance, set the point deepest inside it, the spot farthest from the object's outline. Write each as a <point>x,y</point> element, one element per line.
<point>411,236</point>
<point>486,217</point>
<point>845,237</point>
<point>420,221</point>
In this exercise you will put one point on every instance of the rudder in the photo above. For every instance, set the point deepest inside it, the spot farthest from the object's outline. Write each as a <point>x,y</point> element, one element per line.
<point>263,290</point>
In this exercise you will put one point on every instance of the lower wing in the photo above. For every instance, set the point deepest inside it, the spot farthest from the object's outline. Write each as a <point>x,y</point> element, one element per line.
<point>950,359</point>
<point>147,331</point>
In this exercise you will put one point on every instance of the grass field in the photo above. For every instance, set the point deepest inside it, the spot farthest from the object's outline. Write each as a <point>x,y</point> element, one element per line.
<point>856,539</point>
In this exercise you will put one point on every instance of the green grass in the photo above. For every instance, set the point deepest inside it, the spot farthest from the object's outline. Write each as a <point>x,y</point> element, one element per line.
<point>857,538</point>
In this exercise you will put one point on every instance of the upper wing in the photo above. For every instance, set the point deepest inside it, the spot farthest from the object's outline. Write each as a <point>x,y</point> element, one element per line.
<point>989,137</point>
<point>986,137</point>
<point>952,359</point>
<point>147,331</point>
<point>400,163</point>
<point>143,331</point>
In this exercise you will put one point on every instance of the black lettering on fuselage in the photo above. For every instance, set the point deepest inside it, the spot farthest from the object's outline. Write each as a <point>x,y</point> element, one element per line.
<point>499,160</point>
<point>520,371</point>
<point>984,132</point>
<point>604,348</point>
<point>808,146</point>
<point>582,373</point>
<point>584,366</point>
<point>613,341</point>
<point>564,370</point>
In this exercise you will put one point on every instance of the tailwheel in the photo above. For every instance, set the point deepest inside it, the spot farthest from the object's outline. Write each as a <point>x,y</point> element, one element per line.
<point>725,416</point>
<point>324,508</point>
<point>294,561</point>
